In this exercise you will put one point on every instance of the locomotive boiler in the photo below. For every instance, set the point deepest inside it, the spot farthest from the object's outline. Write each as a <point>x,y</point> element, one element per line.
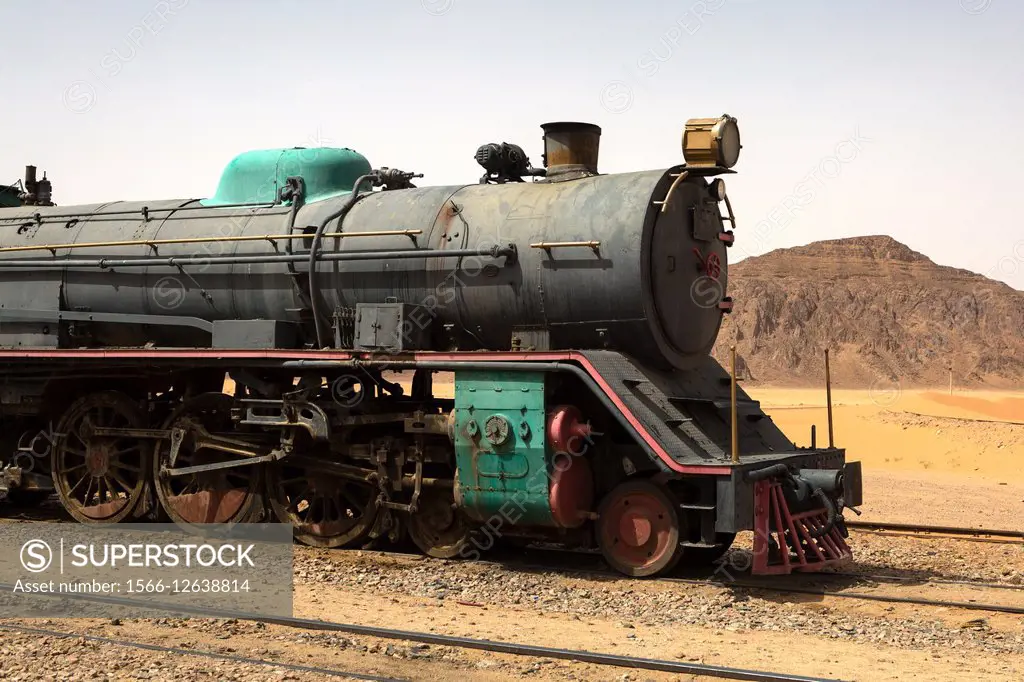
<point>526,356</point>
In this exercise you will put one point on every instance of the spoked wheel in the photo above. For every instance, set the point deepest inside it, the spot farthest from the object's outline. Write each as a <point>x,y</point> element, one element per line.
<point>638,529</point>
<point>100,479</point>
<point>230,495</point>
<point>437,527</point>
<point>325,510</point>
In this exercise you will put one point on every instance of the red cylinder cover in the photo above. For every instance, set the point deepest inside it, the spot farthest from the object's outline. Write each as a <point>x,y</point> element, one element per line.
<point>566,430</point>
<point>572,491</point>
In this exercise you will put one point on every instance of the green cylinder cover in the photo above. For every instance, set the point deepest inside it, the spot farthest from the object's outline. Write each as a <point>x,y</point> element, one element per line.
<point>503,467</point>
<point>256,176</point>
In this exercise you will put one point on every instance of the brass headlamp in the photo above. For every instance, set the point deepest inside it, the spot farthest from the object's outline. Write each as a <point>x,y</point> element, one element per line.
<point>712,142</point>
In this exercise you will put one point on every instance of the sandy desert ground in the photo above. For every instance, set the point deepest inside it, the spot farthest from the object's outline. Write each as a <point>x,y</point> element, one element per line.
<point>929,457</point>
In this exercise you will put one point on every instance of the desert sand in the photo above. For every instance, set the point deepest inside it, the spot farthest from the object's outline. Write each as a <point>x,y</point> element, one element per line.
<point>929,456</point>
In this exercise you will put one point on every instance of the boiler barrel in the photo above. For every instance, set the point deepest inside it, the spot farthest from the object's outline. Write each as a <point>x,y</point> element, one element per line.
<point>643,288</point>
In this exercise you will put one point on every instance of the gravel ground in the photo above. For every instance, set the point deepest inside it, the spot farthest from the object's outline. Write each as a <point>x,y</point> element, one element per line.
<point>30,657</point>
<point>633,609</point>
<point>655,603</point>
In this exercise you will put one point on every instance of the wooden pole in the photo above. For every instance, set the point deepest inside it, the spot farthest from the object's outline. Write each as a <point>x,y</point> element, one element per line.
<point>828,398</point>
<point>735,421</point>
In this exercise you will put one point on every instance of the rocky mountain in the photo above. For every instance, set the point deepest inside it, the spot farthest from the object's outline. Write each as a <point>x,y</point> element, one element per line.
<point>887,314</point>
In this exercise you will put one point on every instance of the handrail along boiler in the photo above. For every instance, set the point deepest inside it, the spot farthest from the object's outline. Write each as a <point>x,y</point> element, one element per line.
<point>523,357</point>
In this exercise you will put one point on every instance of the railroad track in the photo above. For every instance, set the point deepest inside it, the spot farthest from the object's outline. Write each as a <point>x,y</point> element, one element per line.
<point>960,533</point>
<point>870,577</point>
<point>294,667</point>
<point>863,596</point>
<point>491,646</point>
<point>776,586</point>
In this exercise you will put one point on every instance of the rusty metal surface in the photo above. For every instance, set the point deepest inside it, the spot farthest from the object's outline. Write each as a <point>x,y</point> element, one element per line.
<point>100,478</point>
<point>571,144</point>
<point>209,506</point>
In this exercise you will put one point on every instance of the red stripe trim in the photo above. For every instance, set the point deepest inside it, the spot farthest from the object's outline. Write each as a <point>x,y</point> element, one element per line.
<point>480,356</point>
<point>605,387</point>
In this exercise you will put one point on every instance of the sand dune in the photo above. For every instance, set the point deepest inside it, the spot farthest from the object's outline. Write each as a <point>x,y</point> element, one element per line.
<point>977,433</point>
<point>929,457</point>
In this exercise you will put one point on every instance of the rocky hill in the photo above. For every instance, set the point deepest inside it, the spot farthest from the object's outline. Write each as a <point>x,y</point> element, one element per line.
<point>886,312</point>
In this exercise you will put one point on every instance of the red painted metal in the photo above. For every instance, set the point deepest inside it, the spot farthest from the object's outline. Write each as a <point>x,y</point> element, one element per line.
<point>798,550</point>
<point>210,506</point>
<point>713,267</point>
<point>638,529</point>
<point>572,493</point>
<point>173,353</point>
<point>567,431</point>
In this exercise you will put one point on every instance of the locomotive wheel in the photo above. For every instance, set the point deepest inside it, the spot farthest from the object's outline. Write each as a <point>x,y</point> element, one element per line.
<point>324,510</point>
<point>437,527</point>
<point>230,495</point>
<point>100,479</point>
<point>638,529</point>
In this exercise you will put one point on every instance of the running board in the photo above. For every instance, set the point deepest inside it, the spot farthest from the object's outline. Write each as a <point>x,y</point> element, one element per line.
<point>660,414</point>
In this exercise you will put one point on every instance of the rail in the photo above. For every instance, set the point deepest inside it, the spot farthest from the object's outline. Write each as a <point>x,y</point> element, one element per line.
<point>200,653</point>
<point>967,533</point>
<point>512,648</point>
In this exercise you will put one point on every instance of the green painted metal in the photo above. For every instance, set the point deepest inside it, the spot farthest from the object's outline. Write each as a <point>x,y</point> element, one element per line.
<point>256,176</point>
<point>9,196</point>
<point>503,467</point>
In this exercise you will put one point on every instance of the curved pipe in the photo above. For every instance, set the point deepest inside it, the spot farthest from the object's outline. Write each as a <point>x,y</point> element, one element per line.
<point>833,514</point>
<point>509,252</point>
<point>782,471</point>
<point>768,472</point>
<point>314,249</point>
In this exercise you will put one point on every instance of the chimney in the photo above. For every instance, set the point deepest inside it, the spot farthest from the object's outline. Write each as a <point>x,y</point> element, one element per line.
<point>570,150</point>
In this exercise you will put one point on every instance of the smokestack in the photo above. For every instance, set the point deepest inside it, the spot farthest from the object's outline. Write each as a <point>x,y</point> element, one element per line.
<point>571,149</point>
<point>37,192</point>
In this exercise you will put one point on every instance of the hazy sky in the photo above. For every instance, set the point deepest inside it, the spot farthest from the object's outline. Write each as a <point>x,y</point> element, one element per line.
<point>869,117</point>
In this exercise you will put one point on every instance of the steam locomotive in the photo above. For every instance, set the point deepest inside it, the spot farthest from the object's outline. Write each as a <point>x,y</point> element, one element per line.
<point>329,345</point>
